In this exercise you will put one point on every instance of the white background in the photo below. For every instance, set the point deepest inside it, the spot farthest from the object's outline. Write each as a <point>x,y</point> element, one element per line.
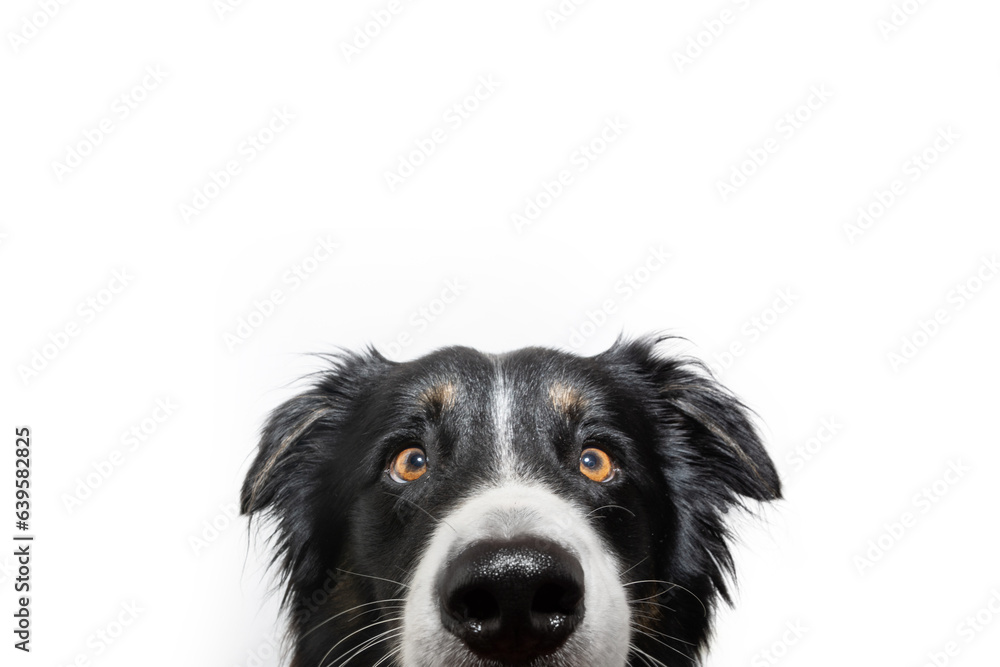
<point>858,294</point>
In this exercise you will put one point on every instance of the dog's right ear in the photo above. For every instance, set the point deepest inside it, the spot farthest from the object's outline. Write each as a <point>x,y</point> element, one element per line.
<point>296,442</point>
<point>285,448</point>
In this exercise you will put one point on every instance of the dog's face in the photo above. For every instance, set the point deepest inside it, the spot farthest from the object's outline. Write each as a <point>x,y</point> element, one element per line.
<point>533,508</point>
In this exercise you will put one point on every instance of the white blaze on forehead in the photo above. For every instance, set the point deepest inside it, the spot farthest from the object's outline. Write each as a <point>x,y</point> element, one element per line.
<point>504,511</point>
<point>501,405</point>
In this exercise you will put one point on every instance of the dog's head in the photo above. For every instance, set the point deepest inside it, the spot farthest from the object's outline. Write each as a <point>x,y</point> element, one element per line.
<point>532,508</point>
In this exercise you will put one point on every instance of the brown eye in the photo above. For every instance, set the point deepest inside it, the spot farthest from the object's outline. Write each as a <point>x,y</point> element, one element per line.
<point>409,465</point>
<point>596,465</point>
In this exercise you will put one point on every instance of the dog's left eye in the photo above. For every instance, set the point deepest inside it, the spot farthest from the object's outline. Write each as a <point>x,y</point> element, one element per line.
<point>409,465</point>
<point>596,465</point>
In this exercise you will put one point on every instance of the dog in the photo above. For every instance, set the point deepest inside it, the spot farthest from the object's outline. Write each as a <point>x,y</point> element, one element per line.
<point>534,508</point>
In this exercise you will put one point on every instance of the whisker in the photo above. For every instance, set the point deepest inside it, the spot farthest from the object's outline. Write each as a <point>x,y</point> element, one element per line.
<point>370,576</point>
<point>648,601</point>
<point>648,616</point>
<point>648,581</point>
<point>672,585</point>
<point>389,655</point>
<point>612,507</point>
<point>370,625</point>
<point>371,643</point>
<point>646,631</point>
<point>653,661</point>
<point>434,518</point>
<point>634,566</point>
<point>665,645</point>
<point>632,648</point>
<point>365,604</point>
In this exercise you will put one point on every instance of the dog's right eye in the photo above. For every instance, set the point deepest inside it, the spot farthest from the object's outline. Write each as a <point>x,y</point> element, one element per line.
<point>596,465</point>
<point>408,466</point>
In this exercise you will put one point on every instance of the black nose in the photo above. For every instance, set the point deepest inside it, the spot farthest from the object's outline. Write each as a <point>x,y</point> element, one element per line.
<point>511,601</point>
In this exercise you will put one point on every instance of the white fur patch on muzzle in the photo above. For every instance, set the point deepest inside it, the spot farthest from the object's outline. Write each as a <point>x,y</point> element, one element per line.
<point>516,514</point>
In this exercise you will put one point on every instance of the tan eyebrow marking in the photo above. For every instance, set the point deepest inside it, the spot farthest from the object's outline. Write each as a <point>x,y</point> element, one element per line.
<point>439,397</point>
<point>566,399</point>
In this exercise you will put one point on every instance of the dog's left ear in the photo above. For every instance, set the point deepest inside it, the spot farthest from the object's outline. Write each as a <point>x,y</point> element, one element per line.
<point>302,440</point>
<point>711,433</point>
<point>300,434</point>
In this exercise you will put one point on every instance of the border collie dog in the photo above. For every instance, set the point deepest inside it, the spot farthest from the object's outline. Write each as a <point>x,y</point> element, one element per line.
<point>534,508</point>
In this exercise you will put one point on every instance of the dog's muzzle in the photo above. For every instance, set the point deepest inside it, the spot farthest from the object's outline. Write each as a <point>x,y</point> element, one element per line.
<point>512,600</point>
<point>515,575</point>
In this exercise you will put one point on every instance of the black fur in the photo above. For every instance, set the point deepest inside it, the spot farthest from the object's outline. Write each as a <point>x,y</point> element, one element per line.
<point>344,532</point>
